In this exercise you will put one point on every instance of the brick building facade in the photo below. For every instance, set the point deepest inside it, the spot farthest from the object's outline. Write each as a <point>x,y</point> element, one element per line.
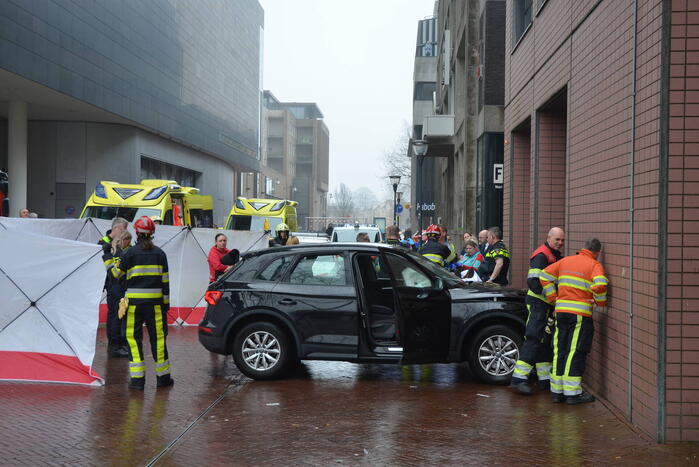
<point>602,138</point>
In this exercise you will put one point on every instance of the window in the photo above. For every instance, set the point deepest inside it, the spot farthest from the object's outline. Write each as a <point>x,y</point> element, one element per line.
<point>407,274</point>
<point>424,90</point>
<point>151,168</point>
<point>521,18</point>
<point>275,269</point>
<point>201,217</point>
<point>319,270</point>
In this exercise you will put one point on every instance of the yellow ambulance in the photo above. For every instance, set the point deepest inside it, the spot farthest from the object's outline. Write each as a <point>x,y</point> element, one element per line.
<point>250,214</point>
<point>162,200</point>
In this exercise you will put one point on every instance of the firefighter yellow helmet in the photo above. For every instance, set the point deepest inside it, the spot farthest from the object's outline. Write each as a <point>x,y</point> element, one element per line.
<point>281,227</point>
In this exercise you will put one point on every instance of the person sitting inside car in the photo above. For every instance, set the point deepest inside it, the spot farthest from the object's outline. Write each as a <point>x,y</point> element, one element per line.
<point>363,237</point>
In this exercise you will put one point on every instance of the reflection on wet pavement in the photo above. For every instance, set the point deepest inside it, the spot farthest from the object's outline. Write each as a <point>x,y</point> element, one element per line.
<point>325,413</point>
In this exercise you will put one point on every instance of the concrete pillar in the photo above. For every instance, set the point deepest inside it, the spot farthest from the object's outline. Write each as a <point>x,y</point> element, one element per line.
<point>17,156</point>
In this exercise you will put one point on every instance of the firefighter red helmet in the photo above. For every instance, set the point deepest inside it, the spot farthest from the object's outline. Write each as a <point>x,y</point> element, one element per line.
<point>144,225</point>
<point>433,230</point>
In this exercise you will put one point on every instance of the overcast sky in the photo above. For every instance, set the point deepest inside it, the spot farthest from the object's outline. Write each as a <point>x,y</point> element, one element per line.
<point>355,60</point>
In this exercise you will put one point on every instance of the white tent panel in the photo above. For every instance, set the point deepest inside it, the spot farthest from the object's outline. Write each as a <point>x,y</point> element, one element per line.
<point>73,307</point>
<point>37,262</point>
<point>13,301</point>
<point>31,332</point>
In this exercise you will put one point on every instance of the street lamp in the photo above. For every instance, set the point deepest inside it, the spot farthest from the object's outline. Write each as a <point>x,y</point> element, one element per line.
<point>420,149</point>
<point>395,180</point>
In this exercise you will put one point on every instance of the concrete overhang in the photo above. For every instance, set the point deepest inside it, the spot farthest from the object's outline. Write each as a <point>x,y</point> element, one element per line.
<point>44,103</point>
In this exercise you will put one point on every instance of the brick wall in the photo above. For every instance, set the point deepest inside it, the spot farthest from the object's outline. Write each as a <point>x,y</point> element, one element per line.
<point>586,47</point>
<point>549,182</point>
<point>683,226</point>
<point>518,227</point>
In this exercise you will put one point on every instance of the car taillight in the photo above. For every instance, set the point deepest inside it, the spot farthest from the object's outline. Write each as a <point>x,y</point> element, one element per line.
<point>213,296</point>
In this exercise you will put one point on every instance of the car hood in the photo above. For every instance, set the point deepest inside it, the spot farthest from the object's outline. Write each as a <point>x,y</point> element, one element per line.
<point>483,292</point>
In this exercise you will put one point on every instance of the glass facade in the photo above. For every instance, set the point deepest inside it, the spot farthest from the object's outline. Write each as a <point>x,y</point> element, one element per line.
<point>189,70</point>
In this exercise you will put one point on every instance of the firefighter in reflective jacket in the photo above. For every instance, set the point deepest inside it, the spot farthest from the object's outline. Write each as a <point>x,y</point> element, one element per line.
<point>574,284</point>
<point>536,350</point>
<point>147,291</point>
<point>433,250</point>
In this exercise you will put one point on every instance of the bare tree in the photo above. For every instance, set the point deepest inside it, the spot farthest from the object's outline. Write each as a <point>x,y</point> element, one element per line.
<point>343,201</point>
<point>364,200</point>
<point>396,162</point>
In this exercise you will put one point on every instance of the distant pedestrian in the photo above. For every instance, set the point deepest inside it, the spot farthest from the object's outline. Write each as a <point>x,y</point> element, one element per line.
<point>116,290</point>
<point>536,351</point>
<point>483,241</point>
<point>148,292</point>
<point>465,237</point>
<point>24,213</point>
<point>574,284</point>
<point>393,236</point>
<point>445,240</point>
<point>115,346</point>
<point>216,268</point>
<point>282,235</point>
<point>497,259</point>
<point>432,249</point>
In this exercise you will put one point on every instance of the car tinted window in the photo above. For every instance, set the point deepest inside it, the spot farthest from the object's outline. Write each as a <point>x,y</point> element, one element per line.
<point>407,274</point>
<point>275,269</point>
<point>319,270</point>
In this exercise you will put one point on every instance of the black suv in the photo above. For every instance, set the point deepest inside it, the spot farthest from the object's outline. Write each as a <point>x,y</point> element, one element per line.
<point>358,302</point>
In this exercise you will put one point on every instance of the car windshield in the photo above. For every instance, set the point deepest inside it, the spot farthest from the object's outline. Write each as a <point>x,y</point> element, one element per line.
<point>438,271</point>
<point>350,235</point>
<point>238,222</point>
<point>110,212</point>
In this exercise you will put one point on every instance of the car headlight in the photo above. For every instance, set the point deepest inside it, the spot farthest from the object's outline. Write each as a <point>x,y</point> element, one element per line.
<point>155,193</point>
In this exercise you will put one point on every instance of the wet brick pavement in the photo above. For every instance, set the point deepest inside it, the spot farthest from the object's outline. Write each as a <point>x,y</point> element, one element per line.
<point>326,414</point>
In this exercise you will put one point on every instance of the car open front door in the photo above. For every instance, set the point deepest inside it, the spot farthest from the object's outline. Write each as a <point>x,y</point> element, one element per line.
<point>424,312</point>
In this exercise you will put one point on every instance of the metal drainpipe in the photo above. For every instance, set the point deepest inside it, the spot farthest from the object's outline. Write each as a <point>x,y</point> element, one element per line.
<point>632,181</point>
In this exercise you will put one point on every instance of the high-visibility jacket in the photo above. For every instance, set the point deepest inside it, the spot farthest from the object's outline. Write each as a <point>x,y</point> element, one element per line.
<point>539,259</point>
<point>575,283</point>
<point>499,250</point>
<point>452,252</point>
<point>147,275</point>
<point>435,251</point>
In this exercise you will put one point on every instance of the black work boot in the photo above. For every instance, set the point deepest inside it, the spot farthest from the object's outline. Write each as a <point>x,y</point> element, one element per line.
<point>580,399</point>
<point>522,387</point>
<point>120,352</point>
<point>558,398</point>
<point>137,383</point>
<point>165,381</point>
<point>545,385</point>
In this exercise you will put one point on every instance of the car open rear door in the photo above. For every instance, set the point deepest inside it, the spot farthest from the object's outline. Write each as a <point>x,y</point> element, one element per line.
<point>423,309</point>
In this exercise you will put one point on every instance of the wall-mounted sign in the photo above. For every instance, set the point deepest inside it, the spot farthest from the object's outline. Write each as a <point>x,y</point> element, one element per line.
<point>498,175</point>
<point>426,206</point>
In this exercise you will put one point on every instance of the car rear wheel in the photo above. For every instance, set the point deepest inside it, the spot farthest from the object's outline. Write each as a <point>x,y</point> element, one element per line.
<point>494,352</point>
<point>261,351</point>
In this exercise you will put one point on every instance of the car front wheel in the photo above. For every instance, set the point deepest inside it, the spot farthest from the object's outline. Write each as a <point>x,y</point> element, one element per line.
<point>493,354</point>
<point>261,351</point>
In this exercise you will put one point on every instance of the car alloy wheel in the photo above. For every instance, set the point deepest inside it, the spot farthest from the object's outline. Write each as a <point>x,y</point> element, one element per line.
<point>497,355</point>
<point>493,352</point>
<point>261,351</point>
